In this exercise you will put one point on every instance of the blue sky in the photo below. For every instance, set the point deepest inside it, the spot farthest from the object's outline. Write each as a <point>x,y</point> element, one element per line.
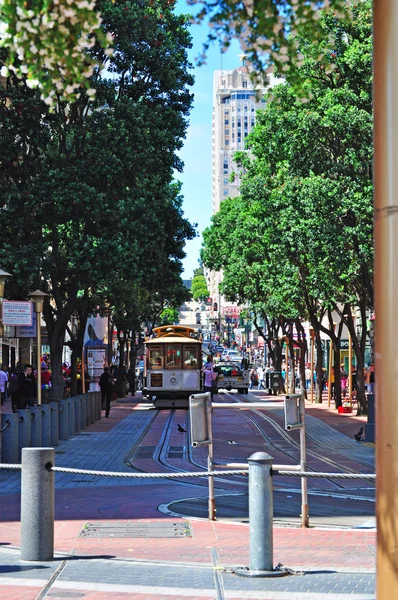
<point>196,153</point>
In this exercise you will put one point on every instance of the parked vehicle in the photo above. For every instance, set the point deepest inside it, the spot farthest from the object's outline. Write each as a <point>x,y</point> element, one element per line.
<point>232,377</point>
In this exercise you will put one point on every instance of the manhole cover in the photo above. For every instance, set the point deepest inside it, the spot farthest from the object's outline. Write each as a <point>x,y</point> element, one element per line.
<point>167,529</point>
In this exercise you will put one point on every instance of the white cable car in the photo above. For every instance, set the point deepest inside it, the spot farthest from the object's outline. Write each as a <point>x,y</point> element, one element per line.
<point>173,366</point>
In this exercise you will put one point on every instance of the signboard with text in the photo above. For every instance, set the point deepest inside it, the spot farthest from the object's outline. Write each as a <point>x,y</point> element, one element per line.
<point>231,311</point>
<point>17,313</point>
<point>27,331</point>
<point>95,366</point>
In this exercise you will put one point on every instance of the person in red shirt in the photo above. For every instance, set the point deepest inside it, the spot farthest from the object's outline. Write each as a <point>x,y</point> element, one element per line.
<point>45,382</point>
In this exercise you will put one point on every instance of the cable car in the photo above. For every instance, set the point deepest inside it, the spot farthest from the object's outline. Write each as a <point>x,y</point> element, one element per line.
<point>173,366</point>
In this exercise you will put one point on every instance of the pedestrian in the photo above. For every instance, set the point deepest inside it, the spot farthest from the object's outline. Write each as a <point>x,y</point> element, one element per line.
<point>260,372</point>
<point>307,377</point>
<point>27,388</point>
<point>343,379</point>
<point>13,388</point>
<point>253,378</point>
<point>45,382</point>
<point>210,380</point>
<point>3,383</point>
<point>332,382</point>
<point>105,383</point>
<point>370,379</point>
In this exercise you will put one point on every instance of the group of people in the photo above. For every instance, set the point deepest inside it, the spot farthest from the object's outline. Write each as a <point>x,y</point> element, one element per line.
<point>20,384</point>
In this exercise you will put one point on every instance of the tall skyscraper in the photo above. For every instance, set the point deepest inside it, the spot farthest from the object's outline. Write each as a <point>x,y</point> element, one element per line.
<point>235,102</point>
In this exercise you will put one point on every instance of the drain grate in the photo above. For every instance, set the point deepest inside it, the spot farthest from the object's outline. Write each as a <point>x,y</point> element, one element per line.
<point>168,529</point>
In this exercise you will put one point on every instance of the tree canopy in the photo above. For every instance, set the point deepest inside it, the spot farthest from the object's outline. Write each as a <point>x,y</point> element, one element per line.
<point>299,239</point>
<point>88,197</point>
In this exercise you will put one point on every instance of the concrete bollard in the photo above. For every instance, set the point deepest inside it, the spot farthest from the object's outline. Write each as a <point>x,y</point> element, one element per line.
<point>92,407</point>
<point>9,438</point>
<point>37,504</point>
<point>36,427</point>
<point>82,411</point>
<point>54,418</point>
<point>98,394</point>
<point>87,411</point>
<point>45,426</point>
<point>71,417</point>
<point>24,430</point>
<point>260,518</point>
<point>76,401</point>
<point>63,419</point>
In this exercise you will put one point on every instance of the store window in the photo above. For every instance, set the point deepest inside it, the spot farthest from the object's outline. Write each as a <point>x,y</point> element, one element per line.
<point>190,357</point>
<point>173,356</point>
<point>156,358</point>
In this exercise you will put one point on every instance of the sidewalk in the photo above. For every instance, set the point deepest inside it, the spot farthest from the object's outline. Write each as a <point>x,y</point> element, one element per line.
<point>93,563</point>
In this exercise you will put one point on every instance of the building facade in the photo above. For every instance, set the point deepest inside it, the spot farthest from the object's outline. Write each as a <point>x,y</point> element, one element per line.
<point>235,102</point>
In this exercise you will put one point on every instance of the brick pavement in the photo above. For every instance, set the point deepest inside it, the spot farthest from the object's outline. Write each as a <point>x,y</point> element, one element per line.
<point>79,501</point>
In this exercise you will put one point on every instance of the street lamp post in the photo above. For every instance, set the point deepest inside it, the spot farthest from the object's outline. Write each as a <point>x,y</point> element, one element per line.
<point>37,298</point>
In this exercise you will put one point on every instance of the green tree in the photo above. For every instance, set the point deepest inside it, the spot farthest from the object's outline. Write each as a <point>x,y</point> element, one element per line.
<point>169,316</point>
<point>300,239</point>
<point>87,189</point>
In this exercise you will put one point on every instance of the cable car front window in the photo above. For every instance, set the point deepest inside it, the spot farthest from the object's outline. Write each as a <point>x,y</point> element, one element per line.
<point>156,358</point>
<point>190,357</point>
<point>173,356</point>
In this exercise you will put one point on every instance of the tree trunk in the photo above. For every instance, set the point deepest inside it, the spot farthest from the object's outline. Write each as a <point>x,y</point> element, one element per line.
<point>359,349</point>
<point>291,384</point>
<point>361,397</point>
<point>120,371</point>
<point>57,380</point>
<point>302,342</point>
<point>337,379</point>
<point>319,365</point>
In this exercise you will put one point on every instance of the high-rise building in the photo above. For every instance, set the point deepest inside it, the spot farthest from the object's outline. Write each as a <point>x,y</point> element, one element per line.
<point>235,102</point>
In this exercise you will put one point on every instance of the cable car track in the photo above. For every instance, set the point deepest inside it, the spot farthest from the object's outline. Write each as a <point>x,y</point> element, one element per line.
<point>162,449</point>
<point>293,442</point>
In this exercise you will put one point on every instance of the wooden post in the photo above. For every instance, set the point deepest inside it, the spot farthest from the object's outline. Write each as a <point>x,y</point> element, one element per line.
<point>385,89</point>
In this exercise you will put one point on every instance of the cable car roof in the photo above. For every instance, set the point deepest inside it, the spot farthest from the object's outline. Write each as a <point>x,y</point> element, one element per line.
<point>173,339</point>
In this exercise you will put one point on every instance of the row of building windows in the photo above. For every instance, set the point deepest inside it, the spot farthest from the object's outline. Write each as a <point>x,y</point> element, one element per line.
<point>246,120</point>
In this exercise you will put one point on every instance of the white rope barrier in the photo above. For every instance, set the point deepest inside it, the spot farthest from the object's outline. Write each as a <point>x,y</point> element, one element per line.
<point>197,473</point>
<point>149,475</point>
<point>327,475</point>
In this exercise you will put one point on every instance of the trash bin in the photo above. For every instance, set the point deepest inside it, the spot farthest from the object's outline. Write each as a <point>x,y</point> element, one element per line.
<point>273,381</point>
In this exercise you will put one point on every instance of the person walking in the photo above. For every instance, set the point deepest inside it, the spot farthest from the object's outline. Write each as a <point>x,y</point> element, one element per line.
<point>253,378</point>
<point>208,370</point>
<point>260,372</point>
<point>307,377</point>
<point>3,383</point>
<point>27,388</point>
<point>13,388</point>
<point>343,379</point>
<point>105,383</point>
<point>45,382</point>
<point>332,382</point>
